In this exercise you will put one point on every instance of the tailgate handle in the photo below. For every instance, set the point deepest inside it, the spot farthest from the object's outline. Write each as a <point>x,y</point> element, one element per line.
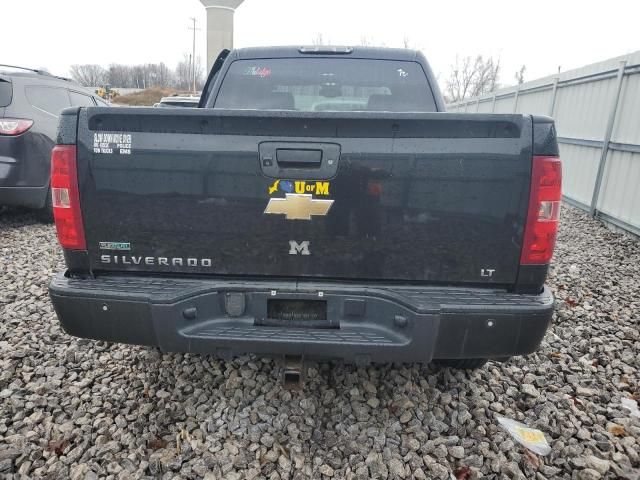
<point>298,158</point>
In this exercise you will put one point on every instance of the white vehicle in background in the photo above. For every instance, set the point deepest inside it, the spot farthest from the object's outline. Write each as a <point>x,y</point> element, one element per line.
<point>185,101</point>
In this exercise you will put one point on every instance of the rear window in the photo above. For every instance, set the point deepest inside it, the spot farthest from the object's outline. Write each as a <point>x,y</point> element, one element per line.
<point>48,99</point>
<point>6,93</point>
<point>326,85</point>
<point>80,100</point>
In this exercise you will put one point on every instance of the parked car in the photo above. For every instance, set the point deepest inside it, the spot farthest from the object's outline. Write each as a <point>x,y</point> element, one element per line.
<point>178,101</point>
<point>30,103</point>
<point>320,205</point>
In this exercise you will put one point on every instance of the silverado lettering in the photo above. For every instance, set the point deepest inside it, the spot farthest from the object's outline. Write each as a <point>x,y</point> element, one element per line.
<point>161,261</point>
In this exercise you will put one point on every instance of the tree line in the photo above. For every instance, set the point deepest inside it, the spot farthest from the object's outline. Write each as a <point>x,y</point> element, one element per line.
<point>468,76</point>
<point>141,76</point>
<point>473,76</point>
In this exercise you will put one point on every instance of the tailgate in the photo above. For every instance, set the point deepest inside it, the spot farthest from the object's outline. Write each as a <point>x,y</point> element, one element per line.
<point>413,197</point>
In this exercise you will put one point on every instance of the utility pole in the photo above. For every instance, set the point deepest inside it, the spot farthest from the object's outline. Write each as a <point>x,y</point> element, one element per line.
<point>193,54</point>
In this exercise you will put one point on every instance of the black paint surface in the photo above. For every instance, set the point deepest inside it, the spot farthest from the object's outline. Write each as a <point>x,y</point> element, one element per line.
<point>417,197</point>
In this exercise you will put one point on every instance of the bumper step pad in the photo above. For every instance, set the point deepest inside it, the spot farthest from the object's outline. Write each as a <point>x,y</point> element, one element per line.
<point>366,322</point>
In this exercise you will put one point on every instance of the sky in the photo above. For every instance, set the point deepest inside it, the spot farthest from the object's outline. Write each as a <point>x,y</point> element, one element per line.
<point>542,35</point>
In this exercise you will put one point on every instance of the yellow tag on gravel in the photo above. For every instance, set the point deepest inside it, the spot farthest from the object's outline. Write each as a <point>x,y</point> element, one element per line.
<point>531,438</point>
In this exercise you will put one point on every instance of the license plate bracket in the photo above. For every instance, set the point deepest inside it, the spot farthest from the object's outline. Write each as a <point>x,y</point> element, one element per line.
<point>297,313</point>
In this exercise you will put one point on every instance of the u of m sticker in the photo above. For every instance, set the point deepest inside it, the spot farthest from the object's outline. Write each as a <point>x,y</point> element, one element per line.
<point>299,187</point>
<point>317,188</point>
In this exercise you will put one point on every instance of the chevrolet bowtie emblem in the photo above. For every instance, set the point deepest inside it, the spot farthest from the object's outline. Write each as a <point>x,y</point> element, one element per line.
<point>297,206</point>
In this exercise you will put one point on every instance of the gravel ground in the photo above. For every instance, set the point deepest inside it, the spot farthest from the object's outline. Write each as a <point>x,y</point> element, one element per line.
<point>79,409</point>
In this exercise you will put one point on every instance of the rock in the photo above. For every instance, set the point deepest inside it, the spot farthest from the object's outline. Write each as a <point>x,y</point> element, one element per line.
<point>474,461</point>
<point>78,472</point>
<point>9,454</point>
<point>271,456</point>
<point>162,394</point>
<point>589,474</point>
<point>439,471</point>
<point>456,452</point>
<point>414,444</point>
<point>267,440</point>
<point>6,465</point>
<point>586,392</point>
<point>120,422</point>
<point>284,463</point>
<point>598,464</point>
<point>326,470</point>
<point>578,462</point>
<point>583,434</point>
<point>530,390</point>
<point>512,469</point>
<point>440,451</point>
<point>419,474</point>
<point>396,467</point>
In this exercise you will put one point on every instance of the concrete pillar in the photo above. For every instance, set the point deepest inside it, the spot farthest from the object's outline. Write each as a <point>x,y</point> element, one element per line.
<point>219,26</point>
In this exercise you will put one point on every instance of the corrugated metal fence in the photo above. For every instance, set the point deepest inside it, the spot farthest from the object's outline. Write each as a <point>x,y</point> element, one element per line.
<point>597,114</point>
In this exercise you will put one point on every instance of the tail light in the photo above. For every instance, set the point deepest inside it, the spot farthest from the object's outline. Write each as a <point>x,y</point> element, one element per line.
<point>65,198</point>
<point>544,211</point>
<point>14,126</point>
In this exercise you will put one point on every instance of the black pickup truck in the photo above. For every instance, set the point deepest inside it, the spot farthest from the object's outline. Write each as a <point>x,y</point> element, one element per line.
<point>319,203</point>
